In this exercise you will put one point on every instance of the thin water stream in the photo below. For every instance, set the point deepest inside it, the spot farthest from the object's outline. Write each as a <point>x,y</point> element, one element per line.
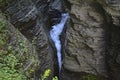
<point>55,33</point>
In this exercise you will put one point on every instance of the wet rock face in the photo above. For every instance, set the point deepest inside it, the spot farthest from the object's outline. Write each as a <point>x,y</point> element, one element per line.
<point>85,41</point>
<point>54,16</point>
<point>92,28</point>
<point>113,2</point>
<point>114,11</point>
<point>31,18</point>
<point>112,7</point>
<point>113,56</point>
<point>92,25</point>
<point>17,54</point>
<point>22,11</point>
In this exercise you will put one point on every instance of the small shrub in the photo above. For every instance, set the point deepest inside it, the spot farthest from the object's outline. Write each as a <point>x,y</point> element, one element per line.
<point>55,78</point>
<point>46,74</point>
<point>8,60</point>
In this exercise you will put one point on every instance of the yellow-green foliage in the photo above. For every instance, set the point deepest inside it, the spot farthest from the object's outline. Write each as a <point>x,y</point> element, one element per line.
<point>8,61</point>
<point>3,33</point>
<point>46,74</point>
<point>89,77</point>
<point>18,59</point>
<point>55,78</point>
<point>8,70</point>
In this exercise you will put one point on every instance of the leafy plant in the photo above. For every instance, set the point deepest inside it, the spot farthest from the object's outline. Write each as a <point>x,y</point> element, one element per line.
<point>46,74</point>
<point>55,78</point>
<point>8,60</point>
<point>18,58</point>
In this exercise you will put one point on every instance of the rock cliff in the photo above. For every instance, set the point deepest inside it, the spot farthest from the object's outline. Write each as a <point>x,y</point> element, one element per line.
<point>90,39</point>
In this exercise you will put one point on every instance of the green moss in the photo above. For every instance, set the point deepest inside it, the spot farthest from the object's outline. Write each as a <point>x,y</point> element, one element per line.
<point>89,77</point>
<point>8,60</point>
<point>8,70</point>
<point>3,34</point>
<point>17,60</point>
<point>3,3</point>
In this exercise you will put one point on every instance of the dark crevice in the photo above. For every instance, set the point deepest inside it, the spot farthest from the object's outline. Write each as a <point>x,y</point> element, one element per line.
<point>67,4</point>
<point>108,30</point>
<point>112,39</point>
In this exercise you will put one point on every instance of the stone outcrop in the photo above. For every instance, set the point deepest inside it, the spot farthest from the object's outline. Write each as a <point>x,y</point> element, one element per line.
<point>85,40</point>
<point>112,8</point>
<point>91,42</point>
<point>30,18</point>
<point>18,57</point>
<point>90,39</point>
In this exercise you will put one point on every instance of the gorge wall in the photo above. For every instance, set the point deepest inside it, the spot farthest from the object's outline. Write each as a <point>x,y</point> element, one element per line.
<point>90,39</point>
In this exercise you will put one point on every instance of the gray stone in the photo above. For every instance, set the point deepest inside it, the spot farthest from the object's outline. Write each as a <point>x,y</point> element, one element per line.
<point>85,41</point>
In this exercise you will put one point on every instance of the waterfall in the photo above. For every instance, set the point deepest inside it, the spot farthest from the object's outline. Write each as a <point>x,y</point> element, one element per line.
<point>55,36</point>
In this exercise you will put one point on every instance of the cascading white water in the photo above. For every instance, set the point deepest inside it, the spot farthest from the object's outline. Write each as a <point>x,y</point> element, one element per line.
<point>55,36</point>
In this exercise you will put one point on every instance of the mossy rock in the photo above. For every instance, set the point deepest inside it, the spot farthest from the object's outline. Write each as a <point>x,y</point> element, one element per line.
<point>4,3</point>
<point>18,57</point>
<point>89,77</point>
